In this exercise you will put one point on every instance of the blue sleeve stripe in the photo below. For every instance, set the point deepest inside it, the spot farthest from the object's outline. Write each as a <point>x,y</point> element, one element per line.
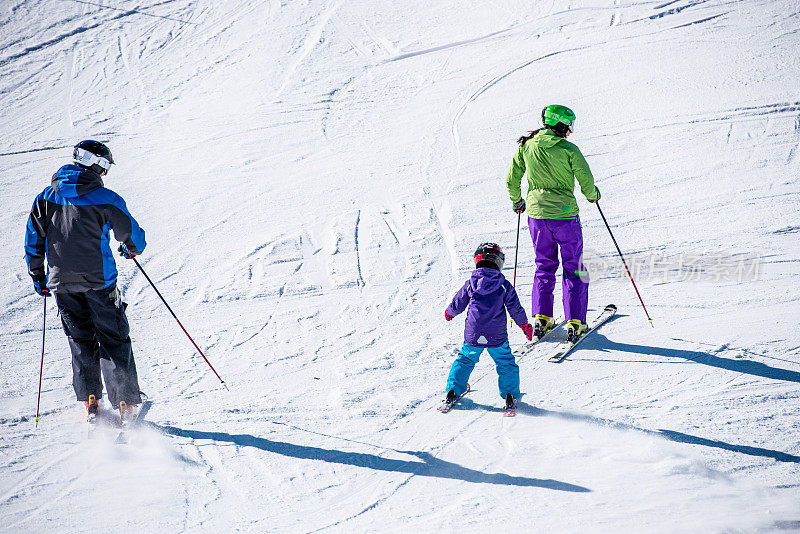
<point>137,236</point>
<point>35,245</point>
<point>31,239</point>
<point>109,266</point>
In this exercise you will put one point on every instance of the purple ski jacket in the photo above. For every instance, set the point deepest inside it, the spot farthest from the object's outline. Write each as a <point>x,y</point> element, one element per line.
<point>486,296</point>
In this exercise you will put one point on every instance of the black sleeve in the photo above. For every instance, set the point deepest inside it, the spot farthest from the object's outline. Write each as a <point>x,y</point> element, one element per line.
<point>126,229</point>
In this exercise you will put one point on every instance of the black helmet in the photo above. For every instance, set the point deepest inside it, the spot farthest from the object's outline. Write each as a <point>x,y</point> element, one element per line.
<point>490,252</point>
<point>92,155</point>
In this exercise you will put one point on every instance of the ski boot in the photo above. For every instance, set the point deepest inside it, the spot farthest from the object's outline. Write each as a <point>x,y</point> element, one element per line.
<point>510,409</point>
<point>542,324</point>
<point>91,409</point>
<point>127,416</point>
<point>450,400</point>
<point>575,329</point>
<point>126,413</point>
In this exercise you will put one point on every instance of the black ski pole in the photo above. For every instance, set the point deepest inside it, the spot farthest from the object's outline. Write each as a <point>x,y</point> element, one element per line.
<point>179,322</point>
<point>41,364</point>
<point>516,249</point>
<point>516,255</point>
<point>624,263</point>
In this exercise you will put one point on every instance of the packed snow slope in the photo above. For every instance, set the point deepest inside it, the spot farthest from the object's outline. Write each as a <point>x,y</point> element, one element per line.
<point>313,177</point>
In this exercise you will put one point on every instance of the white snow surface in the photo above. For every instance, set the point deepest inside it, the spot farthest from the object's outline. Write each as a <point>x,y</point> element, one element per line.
<point>313,177</point>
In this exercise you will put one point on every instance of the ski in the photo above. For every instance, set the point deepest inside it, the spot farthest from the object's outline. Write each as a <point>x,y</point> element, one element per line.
<point>124,434</point>
<point>91,420</point>
<point>528,346</point>
<point>566,347</point>
<point>447,406</point>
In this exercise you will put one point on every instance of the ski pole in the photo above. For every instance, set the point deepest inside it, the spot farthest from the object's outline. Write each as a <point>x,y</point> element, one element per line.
<point>179,322</point>
<point>516,249</point>
<point>41,365</point>
<point>624,263</point>
<point>516,255</point>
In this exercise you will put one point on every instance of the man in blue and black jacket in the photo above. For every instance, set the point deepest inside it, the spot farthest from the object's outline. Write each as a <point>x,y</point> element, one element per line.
<point>69,226</point>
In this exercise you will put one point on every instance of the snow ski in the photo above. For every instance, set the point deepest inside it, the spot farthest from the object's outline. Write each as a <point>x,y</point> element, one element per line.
<point>566,347</point>
<point>447,406</point>
<point>528,346</point>
<point>127,425</point>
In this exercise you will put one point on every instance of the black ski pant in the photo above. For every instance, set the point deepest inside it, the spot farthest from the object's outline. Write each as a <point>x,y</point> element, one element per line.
<point>99,338</point>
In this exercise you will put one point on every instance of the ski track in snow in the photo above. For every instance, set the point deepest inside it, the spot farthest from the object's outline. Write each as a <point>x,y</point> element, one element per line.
<point>311,41</point>
<point>314,177</point>
<point>488,85</point>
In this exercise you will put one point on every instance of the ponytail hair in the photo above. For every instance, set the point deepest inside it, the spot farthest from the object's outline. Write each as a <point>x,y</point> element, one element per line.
<point>559,129</point>
<point>525,138</point>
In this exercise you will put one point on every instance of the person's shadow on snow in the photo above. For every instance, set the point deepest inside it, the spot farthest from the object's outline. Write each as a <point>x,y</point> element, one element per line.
<point>601,343</point>
<point>671,435</point>
<point>428,466</point>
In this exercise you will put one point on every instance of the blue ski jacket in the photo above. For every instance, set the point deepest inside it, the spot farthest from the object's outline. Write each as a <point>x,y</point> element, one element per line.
<point>69,225</point>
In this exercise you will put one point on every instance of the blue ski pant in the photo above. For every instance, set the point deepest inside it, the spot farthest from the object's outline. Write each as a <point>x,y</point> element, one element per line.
<point>507,369</point>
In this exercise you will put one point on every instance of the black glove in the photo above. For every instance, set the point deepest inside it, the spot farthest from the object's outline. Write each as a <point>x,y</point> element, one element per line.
<point>40,286</point>
<point>598,195</point>
<point>124,252</point>
<point>519,206</point>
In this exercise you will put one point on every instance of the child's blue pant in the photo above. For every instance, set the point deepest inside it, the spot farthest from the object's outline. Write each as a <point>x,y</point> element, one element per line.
<point>507,369</point>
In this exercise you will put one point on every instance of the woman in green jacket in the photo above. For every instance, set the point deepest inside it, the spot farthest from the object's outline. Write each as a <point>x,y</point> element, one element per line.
<point>552,164</point>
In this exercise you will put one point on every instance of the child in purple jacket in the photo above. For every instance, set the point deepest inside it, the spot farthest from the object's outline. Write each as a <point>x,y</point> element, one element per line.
<point>486,296</point>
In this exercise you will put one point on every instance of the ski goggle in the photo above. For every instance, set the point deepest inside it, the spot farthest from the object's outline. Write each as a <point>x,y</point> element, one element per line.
<point>571,125</point>
<point>87,159</point>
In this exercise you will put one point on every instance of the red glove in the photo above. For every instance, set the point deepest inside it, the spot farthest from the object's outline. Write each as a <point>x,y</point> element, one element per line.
<point>528,329</point>
<point>448,317</point>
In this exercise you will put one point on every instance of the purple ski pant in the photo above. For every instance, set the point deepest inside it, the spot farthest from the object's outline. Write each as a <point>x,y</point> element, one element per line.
<point>548,236</point>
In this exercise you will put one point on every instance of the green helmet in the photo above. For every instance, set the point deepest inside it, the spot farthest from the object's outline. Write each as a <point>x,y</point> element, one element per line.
<point>555,114</point>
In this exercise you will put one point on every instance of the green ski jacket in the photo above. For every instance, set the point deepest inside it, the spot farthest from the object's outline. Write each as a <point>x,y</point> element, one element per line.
<point>553,164</point>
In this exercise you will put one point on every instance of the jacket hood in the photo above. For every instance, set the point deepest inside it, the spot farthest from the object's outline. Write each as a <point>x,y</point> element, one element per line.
<point>546,139</point>
<point>486,280</point>
<point>72,181</point>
